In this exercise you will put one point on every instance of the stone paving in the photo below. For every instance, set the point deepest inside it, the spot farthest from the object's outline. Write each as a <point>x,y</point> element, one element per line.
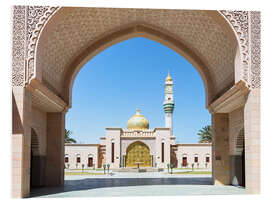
<point>135,184</point>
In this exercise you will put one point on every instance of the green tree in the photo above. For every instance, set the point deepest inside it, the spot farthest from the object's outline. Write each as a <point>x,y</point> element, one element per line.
<point>205,134</point>
<point>68,138</point>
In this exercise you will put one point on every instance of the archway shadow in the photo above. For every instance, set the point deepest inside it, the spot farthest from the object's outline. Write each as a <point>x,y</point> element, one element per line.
<point>94,183</point>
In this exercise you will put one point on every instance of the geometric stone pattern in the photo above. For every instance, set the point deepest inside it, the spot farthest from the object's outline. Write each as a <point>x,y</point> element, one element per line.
<point>34,13</point>
<point>18,45</point>
<point>81,26</point>
<point>255,18</point>
<point>239,21</point>
<point>36,18</point>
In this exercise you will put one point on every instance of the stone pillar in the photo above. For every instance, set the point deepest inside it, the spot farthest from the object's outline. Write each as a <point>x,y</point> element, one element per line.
<point>220,149</point>
<point>252,141</point>
<point>54,171</point>
<point>21,141</point>
<point>124,161</point>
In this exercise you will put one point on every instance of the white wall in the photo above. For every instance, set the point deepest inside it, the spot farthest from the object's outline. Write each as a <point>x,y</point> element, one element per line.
<point>84,150</point>
<point>162,135</point>
<point>190,150</point>
<point>113,135</point>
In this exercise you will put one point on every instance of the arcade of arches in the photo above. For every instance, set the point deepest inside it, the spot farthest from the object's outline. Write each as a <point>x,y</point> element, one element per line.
<point>51,44</point>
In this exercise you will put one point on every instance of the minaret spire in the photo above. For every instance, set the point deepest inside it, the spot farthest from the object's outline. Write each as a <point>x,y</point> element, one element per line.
<point>168,103</point>
<point>138,111</point>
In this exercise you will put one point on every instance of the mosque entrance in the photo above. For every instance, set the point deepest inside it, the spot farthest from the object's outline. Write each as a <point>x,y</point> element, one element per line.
<point>212,41</point>
<point>138,153</point>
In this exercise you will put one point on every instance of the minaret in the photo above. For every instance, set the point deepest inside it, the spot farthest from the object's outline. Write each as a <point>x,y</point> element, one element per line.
<point>168,103</point>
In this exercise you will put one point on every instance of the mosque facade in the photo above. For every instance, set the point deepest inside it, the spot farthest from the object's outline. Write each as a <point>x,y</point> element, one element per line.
<point>139,146</point>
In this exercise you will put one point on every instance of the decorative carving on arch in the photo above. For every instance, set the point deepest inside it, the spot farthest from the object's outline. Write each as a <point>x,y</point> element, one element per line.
<point>255,26</point>
<point>37,16</point>
<point>18,45</point>
<point>239,21</point>
<point>34,13</point>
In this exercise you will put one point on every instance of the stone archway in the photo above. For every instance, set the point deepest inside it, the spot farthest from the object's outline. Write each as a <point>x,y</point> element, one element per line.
<point>227,58</point>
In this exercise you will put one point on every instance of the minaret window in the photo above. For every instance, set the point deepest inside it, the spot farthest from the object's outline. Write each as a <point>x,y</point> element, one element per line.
<point>162,152</point>
<point>112,152</point>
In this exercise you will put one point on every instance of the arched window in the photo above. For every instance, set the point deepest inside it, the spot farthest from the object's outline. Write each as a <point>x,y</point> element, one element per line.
<point>196,159</point>
<point>162,151</point>
<point>112,150</point>
<point>78,158</point>
<point>66,158</point>
<point>90,160</point>
<point>184,160</point>
<point>207,158</point>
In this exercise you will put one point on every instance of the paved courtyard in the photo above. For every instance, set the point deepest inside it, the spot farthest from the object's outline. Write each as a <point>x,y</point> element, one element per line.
<point>135,184</point>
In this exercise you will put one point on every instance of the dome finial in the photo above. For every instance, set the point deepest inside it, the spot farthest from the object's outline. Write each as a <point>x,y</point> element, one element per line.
<point>138,111</point>
<point>169,78</point>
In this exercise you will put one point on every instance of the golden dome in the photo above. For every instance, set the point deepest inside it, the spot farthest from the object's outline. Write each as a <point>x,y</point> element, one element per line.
<point>137,122</point>
<point>169,78</point>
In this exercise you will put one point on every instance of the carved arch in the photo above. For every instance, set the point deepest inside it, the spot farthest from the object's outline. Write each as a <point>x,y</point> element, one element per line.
<point>31,62</point>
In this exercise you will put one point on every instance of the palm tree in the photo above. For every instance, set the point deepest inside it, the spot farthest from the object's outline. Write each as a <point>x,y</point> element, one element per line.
<point>68,138</point>
<point>205,134</point>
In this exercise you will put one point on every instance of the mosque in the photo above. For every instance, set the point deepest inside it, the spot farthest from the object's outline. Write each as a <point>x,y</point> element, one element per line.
<point>139,146</point>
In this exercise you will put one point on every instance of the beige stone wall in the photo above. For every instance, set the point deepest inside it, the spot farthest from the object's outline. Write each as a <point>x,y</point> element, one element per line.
<point>39,124</point>
<point>236,124</point>
<point>236,147</point>
<point>21,141</point>
<point>252,141</point>
<point>220,149</point>
<point>54,168</point>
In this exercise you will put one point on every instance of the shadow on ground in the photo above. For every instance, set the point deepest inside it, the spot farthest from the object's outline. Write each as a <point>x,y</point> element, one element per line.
<point>93,183</point>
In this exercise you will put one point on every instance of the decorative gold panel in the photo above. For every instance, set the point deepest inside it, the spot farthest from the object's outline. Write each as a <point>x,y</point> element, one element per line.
<point>138,152</point>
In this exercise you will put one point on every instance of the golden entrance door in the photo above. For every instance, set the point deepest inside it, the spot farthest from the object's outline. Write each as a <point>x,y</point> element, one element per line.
<point>138,152</point>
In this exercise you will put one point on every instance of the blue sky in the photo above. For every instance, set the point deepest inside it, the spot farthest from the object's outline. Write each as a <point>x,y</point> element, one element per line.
<point>131,74</point>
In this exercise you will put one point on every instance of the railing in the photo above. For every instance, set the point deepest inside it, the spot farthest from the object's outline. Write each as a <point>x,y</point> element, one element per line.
<point>138,133</point>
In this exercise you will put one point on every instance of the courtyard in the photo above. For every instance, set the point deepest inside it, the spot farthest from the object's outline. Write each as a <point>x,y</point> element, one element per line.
<point>213,57</point>
<point>117,184</point>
